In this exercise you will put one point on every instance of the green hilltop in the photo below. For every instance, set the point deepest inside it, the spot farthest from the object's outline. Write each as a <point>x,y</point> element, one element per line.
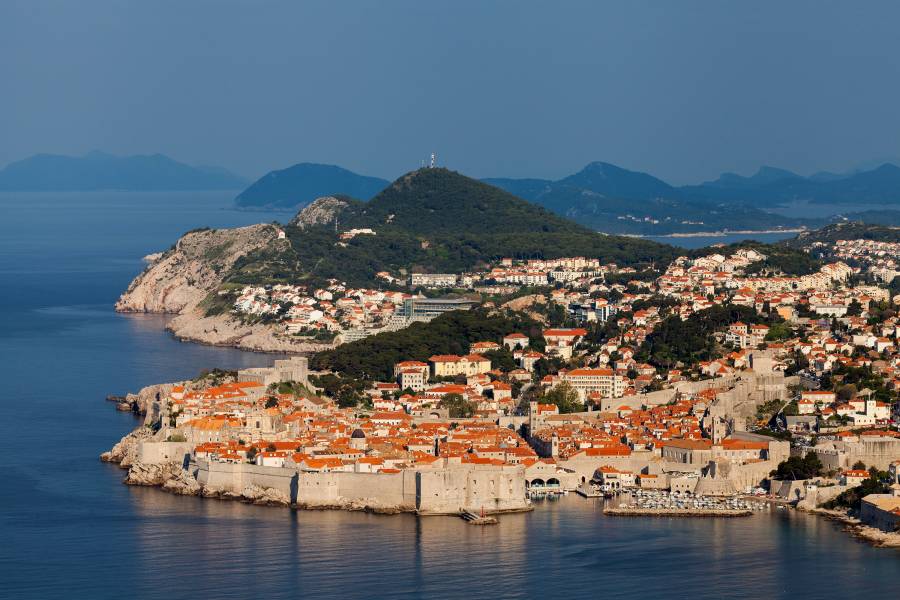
<point>433,220</point>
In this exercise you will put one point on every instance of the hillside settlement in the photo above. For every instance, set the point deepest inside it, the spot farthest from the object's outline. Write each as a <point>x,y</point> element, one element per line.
<point>709,379</point>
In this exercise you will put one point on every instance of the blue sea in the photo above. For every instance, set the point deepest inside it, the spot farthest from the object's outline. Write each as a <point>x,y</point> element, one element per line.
<point>70,529</point>
<point>701,241</point>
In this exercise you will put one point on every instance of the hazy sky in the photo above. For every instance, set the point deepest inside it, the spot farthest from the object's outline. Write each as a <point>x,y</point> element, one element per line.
<point>681,89</point>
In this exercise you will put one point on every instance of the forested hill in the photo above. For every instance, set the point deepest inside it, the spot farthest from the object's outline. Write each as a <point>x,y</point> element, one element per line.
<point>781,258</point>
<point>853,230</point>
<point>440,201</point>
<point>432,220</point>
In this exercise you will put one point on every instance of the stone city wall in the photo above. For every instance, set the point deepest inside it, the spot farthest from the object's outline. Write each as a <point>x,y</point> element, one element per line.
<point>438,491</point>
<point>152,453</point>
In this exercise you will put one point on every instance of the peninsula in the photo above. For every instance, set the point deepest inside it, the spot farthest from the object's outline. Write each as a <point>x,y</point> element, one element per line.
<point>686,386</point>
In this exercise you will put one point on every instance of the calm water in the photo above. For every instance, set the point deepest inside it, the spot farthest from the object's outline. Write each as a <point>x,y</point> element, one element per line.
<point>701,241</point>
<point>69,528</point>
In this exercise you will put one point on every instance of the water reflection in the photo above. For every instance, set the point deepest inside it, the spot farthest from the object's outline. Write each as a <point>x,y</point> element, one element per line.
<point>563,548</point>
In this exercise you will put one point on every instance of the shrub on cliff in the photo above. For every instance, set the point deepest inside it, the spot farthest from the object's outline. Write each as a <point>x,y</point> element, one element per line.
<point>852,498</point>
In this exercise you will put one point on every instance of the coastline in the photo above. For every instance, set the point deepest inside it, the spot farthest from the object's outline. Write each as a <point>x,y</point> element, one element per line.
<point>853,526</point>
<point>178,473</point>
<point>223,331</point>
<point>721,233</point>
<point>182,478</point>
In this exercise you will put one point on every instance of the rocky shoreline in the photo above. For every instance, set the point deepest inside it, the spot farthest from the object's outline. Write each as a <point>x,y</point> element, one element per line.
<point>856,528</point>
<point>222,330</point>
<point>177,281</point>
<point>174,478</point>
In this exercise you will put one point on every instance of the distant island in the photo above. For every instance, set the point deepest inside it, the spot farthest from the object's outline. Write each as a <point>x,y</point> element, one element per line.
<point>100,171</point>
<point>299,185</point>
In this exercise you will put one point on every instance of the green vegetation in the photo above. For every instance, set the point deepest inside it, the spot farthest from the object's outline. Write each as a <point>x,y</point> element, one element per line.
<point>796,468</point>
<point>434,220</point>
<point>216,303</point>
<point>292,387</point>
<point>215,376</point>
<point>780,258</point>
<point>852,498</point>
<point>854,230</point>
<point>458,407</point>
<point>675,341</point>
<point>501,359</point>
<point>373,358</point>
<point>779,332</point>
<point>847,381</point>
<point>346,391</point>
<point>767,409</point>
<point>564,397</point>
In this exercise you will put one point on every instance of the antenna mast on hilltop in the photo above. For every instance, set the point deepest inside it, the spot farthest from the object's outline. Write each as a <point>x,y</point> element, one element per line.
<point>433,159</point>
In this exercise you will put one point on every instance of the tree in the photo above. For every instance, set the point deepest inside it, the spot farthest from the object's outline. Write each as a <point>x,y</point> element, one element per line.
<point>502,359</point>
<point>845,393</point>
<point>271,402</point>
<point>687,341</point>
<point>347,397</point>
<point>457,406</point>
<point>546,366</point>
<point>859,466</point>
<point>374,357</point>
<point>796,468</point>
<point>791,409</point>
<point>565,397</point>
<point>852,498</point>
<point>779,331</point>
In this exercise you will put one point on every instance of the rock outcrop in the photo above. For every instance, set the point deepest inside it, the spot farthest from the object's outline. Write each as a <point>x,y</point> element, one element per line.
<point>265,496</point>
<point>222,330</point>
<point>320,212</point>
<point>125,453</point>
<point>178,280</point>
<point>370,505</point>
<point>183,276</point>
<point>167,475</point>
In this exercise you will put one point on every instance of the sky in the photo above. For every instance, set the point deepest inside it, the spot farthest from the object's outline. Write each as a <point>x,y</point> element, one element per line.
<point>684,90</point>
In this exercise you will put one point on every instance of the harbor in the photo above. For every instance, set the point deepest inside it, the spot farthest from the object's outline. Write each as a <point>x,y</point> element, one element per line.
<point>675,504</point>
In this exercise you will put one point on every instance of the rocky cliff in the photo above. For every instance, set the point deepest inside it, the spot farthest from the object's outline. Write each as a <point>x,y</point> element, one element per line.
<point>179,279</point>
<point>125,453</point>
<point>321,211</point>
<point>223,330</point>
